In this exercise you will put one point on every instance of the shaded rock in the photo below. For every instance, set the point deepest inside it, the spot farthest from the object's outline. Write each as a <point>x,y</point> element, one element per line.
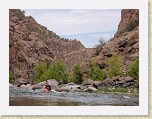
<point>120,82</point>
<point>121,78</point>
<point>108,82</point>
<point>126,84</point>
<point>116,78</point>
<point>20,81</point>
<point>97,84</point>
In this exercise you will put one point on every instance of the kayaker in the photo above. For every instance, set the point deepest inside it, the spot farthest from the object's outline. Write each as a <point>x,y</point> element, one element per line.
<point>47,86</point>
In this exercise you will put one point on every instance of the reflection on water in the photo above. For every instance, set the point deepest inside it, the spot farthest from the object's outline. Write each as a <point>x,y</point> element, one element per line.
<point>18,97</point>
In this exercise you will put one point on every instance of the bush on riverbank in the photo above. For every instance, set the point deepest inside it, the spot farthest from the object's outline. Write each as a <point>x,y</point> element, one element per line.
<point>77,75</point>
<point>39,69</point>
<point>134,70</point>
<point>96,73</point>
<point>114,65</point>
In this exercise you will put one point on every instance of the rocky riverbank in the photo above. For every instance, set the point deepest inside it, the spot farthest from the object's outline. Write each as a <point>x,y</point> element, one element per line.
<point>116,85</point>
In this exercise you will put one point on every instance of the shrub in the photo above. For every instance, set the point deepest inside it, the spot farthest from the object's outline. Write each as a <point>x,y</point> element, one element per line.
<point>134,70</point>
<point>99,47</point>
<point>96,73</point>
<point>114,65</point>
<point>77,75</point>
<point>58,71</point>
<point>40,69</point>
<point>11,78</point>
<point>131,25</point>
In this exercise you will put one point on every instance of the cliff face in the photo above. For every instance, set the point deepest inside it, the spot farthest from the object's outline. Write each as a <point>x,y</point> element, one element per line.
<point>125,42</point>
<point>30,42</point>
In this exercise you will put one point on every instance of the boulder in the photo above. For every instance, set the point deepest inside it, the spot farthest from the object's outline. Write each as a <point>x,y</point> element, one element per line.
<point>54,87</point>
<point>121,78</point>
<point>88,82</point>
<point>129,79</point>
<point>90,89</point>
<point>20,81</point>
<point>116,78</point>
<point>97,83</point>
<point>63,89</point>
<point>53,81</point>
<point>12,86</point>
<point>108,82</point>
<point>120,82</point>
<point>126,84</point>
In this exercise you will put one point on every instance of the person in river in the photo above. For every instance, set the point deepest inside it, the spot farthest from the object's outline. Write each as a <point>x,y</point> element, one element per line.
<point>47,86</point>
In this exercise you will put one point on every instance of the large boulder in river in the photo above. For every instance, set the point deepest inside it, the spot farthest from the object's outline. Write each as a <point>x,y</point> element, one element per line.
<point>26,87</point>
<point>52,82</point>
<point>90,89</point>
<point>70,87</point>
<point>18,82</point>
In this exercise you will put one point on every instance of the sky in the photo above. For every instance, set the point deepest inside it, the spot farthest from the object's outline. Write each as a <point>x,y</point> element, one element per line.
<point>84,25</point>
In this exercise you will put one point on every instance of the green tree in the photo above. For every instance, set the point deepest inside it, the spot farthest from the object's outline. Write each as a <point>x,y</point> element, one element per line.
<point>58,71</point>
<point>134,70</point>
<point>40,69</point>
<point>96,73</point>
<point>77,75</point>
<point>114,65</point>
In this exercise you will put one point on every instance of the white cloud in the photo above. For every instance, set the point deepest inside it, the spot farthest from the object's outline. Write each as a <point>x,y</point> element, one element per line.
<point>70,22</point>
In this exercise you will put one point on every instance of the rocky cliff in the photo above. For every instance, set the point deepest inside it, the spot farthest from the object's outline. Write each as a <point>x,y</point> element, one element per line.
<point>30,43</point>
<point>125,42</point>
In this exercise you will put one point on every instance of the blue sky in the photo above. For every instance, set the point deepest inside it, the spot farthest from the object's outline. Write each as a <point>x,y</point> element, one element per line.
<point>85,25</point>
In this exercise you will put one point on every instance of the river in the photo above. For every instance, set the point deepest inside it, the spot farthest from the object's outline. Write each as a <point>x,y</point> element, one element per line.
<point>19,97</point>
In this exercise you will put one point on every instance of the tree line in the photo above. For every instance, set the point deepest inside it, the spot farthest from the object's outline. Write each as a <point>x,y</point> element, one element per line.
<point>58,71</point>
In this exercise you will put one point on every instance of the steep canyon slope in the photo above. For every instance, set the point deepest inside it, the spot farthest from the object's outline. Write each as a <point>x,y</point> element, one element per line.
<point>125,42</point>
<point>30,43</point>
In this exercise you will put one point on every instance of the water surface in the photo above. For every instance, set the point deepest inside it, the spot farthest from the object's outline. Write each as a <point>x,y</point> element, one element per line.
<point>18,97</point>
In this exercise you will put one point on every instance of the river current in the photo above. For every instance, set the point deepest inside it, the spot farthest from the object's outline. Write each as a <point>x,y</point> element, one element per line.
<point>19,97</point>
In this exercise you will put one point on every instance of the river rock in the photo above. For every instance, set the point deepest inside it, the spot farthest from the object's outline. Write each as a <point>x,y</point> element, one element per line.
<point>126,84</point>
<point>88,82</point>
<point>26,87</point>
<point>129,79</point>
<point>54,87</point>
<point>20,81</point>
<point>97,84</point>
<point>107,82</point>
<point>12,86</point>
<point>53,81</point>
<point>90,89</point>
